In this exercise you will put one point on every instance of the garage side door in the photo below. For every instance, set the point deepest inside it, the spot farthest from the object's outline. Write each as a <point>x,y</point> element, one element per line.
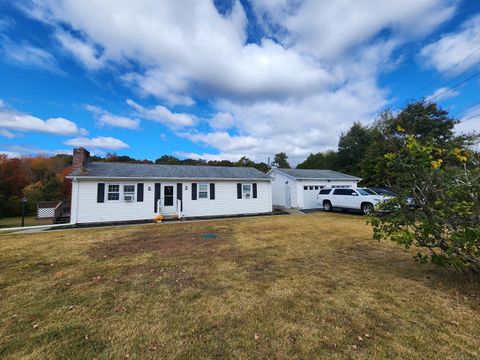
<point>310,193</point>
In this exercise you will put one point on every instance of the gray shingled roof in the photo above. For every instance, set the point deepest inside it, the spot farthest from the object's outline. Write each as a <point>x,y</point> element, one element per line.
<point>308,174</point>
<point>127,170</point>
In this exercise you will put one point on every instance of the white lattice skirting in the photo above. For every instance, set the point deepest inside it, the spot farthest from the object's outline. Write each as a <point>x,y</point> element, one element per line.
<point>46,213</point>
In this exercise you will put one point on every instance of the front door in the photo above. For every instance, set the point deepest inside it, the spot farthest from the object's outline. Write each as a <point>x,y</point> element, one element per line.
<point>168,201</point>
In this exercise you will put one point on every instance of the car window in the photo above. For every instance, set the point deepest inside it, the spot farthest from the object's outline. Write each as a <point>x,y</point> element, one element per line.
<point>325,191</point>
<point>350,192</point>
<point>363,192</point>
<point>339,192</point>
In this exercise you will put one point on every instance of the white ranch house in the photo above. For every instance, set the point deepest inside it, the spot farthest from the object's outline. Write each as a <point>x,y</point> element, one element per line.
<point>298,188</point>
<point>121,192</point>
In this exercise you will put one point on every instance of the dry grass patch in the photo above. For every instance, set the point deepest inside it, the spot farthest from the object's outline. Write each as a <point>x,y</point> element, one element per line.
<point>270,287</point>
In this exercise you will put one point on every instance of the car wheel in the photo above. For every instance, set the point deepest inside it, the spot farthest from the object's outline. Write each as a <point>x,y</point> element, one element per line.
<point>367,208</point>
<point>327,206</point>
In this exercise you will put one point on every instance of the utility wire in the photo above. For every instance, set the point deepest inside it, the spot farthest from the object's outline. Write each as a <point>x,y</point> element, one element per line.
<point>466,108</point>
<point>434,81</point>
<point>455,86</point>
<point>470,118</point>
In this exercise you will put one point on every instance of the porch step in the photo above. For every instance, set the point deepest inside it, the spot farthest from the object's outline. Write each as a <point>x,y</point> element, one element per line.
<point>293,211</point>
<point>62,220</point>
<point>170,217</point>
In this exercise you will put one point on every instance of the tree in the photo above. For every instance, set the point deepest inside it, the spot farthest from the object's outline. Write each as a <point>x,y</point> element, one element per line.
<point>220,163</point>
<point>124,158</point>
<point>426,121</point>
<point>373,166</point>
<point>245,162</point>
<point>442,218</point>
<point>168,160</point>
<point>263,167</point>
<point>352,148</point>
<point>322,160</point>
<point>280,161</point>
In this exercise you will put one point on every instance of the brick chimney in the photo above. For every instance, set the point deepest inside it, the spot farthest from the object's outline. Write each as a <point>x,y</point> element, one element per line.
<point>80,158</point>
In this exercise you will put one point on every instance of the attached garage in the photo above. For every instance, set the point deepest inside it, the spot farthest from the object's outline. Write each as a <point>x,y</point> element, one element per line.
<point>298,188</point>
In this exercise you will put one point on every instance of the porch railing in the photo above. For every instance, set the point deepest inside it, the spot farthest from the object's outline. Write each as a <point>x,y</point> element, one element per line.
<point>55,210</point>
<point>46,209</point>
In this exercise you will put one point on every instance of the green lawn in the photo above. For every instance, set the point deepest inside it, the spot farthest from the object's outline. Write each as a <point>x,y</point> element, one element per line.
<point>17,221</point>
<point>284,287</point>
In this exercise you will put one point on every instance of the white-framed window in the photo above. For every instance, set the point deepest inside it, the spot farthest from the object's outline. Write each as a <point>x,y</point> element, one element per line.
<point>129,193</point>
<point>247,191</point>
<point>113,192</point>
<point>203,191</point>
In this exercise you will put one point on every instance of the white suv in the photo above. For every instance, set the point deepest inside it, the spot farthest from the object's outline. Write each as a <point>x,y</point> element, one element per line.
<point>349,199</point>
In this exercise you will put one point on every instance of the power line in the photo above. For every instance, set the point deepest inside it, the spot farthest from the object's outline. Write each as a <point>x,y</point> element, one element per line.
<point>455,86</point>
<point>466,108</point>
<point>470,118</point>
<point>448,71</point>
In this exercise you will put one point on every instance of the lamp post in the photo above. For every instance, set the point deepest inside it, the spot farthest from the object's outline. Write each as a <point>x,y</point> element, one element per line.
<point>24,203</point>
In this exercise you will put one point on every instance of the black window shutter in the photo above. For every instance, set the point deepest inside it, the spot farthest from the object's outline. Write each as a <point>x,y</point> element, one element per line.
<point>239,191</point>
<point>140,192</point>
<point>180,195</point>
<point>194,191</point>
<point>212,191</point>
<point>100,192</point>
<point>254,185</point>
<point>156,197</point>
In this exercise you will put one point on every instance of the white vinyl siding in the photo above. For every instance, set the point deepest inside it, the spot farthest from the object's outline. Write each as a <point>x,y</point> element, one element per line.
<point>85,208</point>
<point>279,184</point>
<point>226,202</point>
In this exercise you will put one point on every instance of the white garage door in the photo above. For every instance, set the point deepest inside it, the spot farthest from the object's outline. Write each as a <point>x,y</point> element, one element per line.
<point>310,193</point>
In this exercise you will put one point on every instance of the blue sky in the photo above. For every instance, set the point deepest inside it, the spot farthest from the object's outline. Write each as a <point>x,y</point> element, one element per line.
<point>225,79</point>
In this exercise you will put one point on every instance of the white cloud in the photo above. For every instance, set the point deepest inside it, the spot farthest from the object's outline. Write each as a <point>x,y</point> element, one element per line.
<point>162,85</point>
<point>470,122</point>
<point>12,120</point>
<point>28,150</point>
<point>6,23</point>
<point>163,115</point>
<point>207,156</point>
<point>222,120</point>
<point>442,94</point>
<point>27,55</point>
<point>99,143</point>
<point>104,118</point>
<point>297,127</point>
<point>295,89</point>
<point>183,47</point>
<point>452,48</point>
<point>118,121</point>
<point>84,52</point>
<point>329,29</point>
<point>7,134</point>
<point>11,154</point>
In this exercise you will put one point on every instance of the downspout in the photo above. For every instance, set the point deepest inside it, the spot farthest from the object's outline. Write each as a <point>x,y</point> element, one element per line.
<point>73,220</point>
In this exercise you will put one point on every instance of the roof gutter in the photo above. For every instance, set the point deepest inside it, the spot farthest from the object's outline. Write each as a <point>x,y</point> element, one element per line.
<point>163,178</point>
<point>321,179</point>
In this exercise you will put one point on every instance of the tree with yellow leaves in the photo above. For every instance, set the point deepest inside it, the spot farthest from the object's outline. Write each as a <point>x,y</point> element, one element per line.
<point>437,207</point>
